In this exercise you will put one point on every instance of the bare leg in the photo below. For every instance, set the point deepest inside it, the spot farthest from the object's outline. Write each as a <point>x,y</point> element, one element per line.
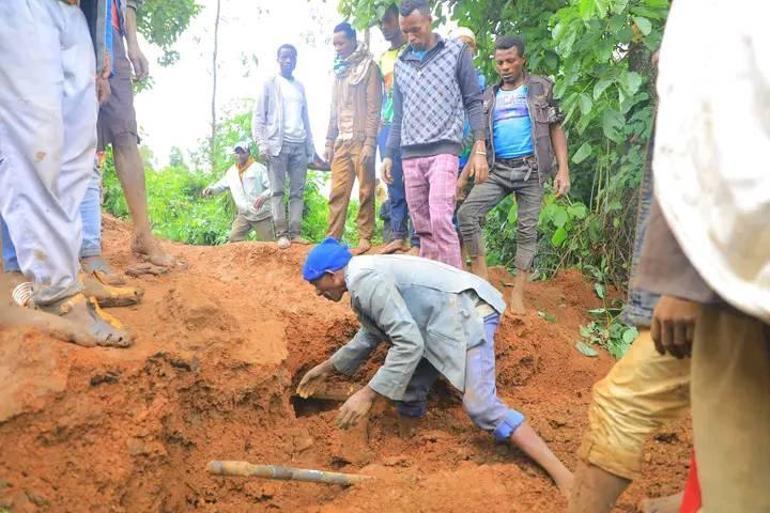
<point>533,446</point>
<point>670,504</point>
<point>130,171</point>
<point>516,299</point>
<point>595,490</point>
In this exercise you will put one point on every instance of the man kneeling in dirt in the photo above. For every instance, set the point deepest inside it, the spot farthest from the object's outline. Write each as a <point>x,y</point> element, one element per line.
<point>439,320</point>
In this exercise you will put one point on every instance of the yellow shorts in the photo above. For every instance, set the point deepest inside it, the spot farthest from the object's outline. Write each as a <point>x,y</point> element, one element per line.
<point>642,391</point>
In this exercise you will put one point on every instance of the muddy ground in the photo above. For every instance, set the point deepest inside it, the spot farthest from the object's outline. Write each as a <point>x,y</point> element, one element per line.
<point>219,349</point>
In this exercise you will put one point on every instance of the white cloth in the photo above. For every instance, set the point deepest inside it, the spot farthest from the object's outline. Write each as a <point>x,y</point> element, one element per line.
<point>293,103</point>
<point>712,143</point>
<point>48,115</point>
<point>246,191</point>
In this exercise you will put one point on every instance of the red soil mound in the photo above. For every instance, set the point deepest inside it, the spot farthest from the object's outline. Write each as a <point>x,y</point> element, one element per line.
<point>219,348</point>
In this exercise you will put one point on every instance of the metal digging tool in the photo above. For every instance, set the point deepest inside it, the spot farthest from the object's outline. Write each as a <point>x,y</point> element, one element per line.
<point>246,469</point>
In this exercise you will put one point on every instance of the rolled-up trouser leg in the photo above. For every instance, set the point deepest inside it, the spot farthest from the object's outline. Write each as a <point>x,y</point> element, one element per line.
<point>642,392</point>
<point>480,400</point>
<point>48,115</point>
<point>416,396</point>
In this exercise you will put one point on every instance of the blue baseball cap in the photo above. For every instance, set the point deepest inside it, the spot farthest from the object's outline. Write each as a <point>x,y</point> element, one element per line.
<point>328,256</point>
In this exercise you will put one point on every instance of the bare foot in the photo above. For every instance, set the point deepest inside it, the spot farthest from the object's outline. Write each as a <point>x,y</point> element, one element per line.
<point>108,296</point>
<point>106,274</point>
<point>396,245</point>
<point>670,504</point>
<point>150,249</point>
<point>414,251</point>
<point>57,327</point>
<point>86,314</point>
<point>363,246</point>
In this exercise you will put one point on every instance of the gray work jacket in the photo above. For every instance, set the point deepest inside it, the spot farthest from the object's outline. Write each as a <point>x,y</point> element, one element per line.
<point>267,120</point>
<point>423,308</point>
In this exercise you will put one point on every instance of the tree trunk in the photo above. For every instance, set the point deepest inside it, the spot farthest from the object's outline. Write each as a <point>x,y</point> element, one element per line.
<point>212,146</point>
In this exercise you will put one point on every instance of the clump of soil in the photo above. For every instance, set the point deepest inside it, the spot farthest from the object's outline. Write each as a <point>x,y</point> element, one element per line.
<point>219,349</point>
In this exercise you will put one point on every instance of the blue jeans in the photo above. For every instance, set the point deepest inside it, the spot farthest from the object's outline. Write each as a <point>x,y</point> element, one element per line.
<point>91,214</point>
<point>480,400</point>
<point>399,211</point>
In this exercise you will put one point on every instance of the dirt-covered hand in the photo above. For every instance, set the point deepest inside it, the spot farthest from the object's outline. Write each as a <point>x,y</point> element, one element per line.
<point>673,326</point>
<point>314,378</point>
<point>355,408</point>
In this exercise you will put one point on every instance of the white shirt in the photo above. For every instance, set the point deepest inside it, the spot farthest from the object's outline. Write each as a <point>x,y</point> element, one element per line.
<point>712,144</point>
<point>293,102</point>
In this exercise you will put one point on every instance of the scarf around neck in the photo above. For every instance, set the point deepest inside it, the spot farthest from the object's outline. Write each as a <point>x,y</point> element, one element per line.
<point>355,66</point>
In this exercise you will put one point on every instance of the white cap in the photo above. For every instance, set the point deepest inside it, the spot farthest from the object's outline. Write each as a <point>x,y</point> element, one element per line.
<point>244,145</point>
<point>464,32</point>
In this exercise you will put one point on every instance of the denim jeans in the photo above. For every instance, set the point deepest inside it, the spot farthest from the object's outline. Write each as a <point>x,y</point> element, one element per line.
<point>91,215</point>
<point>640,304</point>
<point>480,400</point>
<point>291,162</point>
<point>520,179</point>
<point>399,211</point>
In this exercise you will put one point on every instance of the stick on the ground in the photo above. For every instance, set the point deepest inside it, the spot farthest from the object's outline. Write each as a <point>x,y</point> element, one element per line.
<point>246,469</point>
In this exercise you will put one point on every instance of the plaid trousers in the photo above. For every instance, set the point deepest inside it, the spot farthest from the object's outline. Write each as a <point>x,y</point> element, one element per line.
<point>431,188</point>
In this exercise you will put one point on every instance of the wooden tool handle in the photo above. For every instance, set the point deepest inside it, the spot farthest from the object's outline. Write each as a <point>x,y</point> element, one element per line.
<point>246,469</point>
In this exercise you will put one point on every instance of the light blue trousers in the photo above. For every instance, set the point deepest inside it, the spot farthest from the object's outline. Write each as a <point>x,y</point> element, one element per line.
<point>480,400</point>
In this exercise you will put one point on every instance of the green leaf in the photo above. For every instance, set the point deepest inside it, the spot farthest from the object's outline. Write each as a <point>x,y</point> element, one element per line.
<point>585,103</point>
<point>578,211</point>
<point>513,213</point>
<point>583,153</point>
<point>558,238</point>
<point>612,123</point>
<point>644,25</point>
<point>601,86</point>
<point>630,334</point>
<point>599,289</point>
<point>560,217</point>
<point>586,350</point>
<point>586,8</point>
<point>597,311</point>
<point>632,82</point>
<point>585,331</point>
